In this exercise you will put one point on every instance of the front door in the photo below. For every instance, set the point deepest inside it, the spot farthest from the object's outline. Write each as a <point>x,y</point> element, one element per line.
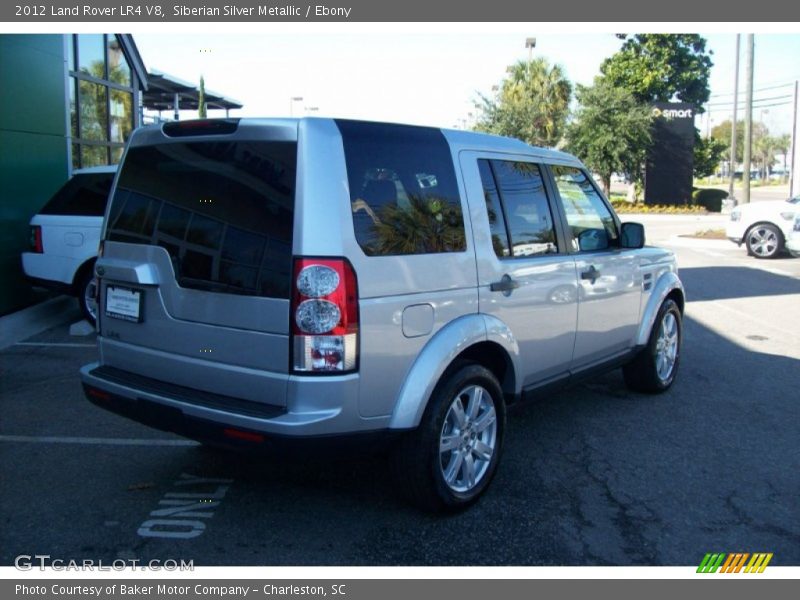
<point>609,282</point>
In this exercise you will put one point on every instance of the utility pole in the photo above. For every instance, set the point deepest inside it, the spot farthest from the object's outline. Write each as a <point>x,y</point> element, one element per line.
<point>735,116</point>
<point>793,180</point>
<point>748,117</point>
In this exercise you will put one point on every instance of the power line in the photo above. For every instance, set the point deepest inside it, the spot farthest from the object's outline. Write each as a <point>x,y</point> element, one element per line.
<point>764,89</point>
<point>754,100</point>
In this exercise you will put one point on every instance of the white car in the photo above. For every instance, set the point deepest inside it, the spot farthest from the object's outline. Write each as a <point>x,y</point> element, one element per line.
<point>793,241</point>
<point>763,227</point>
<point>65,235</point>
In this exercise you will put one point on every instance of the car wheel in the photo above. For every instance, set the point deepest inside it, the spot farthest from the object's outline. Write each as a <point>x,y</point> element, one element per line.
<point>86,292</point>
<point>654,368</point>
<point>450,459</point>
<point>764,241</point>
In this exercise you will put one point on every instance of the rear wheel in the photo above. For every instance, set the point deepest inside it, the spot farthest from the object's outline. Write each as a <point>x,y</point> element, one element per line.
<point>764,241</point>
<point>654,369</point>
<point>450,459</point>
<point>86,292</point>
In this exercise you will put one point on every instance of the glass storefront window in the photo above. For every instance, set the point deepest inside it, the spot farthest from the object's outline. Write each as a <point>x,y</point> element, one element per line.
<point>93,156</point>
<point>91,55</point>
<point>121,115</point>
<point>94,123</point>
<point>118,69</point>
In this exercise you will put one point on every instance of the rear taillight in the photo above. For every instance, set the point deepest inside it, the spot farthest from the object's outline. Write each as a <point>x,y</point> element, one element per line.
<point>324,316</point>
<point>36,239</point>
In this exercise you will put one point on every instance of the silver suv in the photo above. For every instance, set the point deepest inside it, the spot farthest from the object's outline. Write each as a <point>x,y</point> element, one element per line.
<point>267,280</point>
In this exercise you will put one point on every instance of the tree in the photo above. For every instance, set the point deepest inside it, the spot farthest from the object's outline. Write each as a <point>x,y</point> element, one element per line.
<point>722,133</point>
<point>765,149</point>
<point>708,154</point>
<point>783,143</point>
<point>611,131</point>
<point>662,68</point>
<point>532,104</point>
<point>202,112</point>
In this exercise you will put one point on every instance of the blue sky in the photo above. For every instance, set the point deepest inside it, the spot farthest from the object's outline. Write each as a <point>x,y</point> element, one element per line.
<point>425,78</point>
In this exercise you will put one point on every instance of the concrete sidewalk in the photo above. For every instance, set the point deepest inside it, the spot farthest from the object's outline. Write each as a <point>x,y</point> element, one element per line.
<point>37,318</point>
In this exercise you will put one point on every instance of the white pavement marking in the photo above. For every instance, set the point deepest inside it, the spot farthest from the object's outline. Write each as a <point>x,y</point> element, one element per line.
<point>94,441</point>
<point>56,344</point>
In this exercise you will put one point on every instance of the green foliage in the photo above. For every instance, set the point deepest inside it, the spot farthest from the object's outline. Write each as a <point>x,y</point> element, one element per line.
<point>722,133</point>
<point>202,110</point>
<point>709,198</point>
<point>662,68</point>
<point>426,225</point>
<point>708,153</point>
<point>625,207</point>
<point>611,131</point>
<point>532,104</point>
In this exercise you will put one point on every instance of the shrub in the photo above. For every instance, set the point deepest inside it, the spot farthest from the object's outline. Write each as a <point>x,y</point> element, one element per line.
<point>709,198</point>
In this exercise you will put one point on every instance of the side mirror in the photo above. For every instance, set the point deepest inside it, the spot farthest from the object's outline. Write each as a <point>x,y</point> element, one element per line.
<point>591,240</point>
<point>632,235</point>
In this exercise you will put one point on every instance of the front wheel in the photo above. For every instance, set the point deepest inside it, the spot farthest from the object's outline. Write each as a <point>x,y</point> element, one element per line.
<point>654,369</point>
<point>450,459</point>
<point>764,241</point>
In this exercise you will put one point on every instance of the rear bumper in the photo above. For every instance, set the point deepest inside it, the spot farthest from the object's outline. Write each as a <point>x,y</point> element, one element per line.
<point>50,271</point>
<point>226,420</point>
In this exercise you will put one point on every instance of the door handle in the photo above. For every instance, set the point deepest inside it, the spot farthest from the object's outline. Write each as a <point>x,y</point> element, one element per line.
<point>592,273</point>
<point>505,285</point>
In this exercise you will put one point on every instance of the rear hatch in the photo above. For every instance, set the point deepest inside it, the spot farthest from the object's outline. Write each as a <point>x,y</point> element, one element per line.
<point>197,256</point>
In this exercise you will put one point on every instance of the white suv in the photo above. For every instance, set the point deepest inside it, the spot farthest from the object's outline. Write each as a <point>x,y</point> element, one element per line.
<point>763,227</point>
<point>65,236</point>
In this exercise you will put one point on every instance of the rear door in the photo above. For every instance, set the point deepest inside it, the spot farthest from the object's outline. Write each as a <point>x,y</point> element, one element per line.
<point>526,276</point>
<point>197,260</point>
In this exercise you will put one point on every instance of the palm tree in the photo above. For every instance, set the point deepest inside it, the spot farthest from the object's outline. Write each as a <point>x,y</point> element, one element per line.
<point>531,104</point>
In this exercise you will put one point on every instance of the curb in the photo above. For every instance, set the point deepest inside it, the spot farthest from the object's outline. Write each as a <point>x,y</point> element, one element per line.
<point>37,318</point>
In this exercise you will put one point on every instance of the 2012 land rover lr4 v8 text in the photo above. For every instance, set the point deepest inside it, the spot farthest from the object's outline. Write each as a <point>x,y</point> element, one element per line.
<point>264,279</point>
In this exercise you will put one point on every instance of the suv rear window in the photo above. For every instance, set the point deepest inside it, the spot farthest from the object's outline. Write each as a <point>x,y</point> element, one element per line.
<point>85,195</point>
<point>403,191</point>
<point>224,211</point>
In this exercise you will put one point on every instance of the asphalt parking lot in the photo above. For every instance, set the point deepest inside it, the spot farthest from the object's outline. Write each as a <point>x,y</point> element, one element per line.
<point>594,475</point>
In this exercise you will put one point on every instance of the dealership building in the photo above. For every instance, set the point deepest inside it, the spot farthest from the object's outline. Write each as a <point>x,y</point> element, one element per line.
<point>69,102</point>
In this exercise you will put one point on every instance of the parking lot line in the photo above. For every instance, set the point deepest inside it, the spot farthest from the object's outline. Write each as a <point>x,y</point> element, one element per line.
<point>57,344</point>
<point>95,441</point>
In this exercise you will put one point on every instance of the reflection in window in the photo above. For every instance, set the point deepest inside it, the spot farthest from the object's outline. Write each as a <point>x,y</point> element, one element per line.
<point>404,200</point>
<point>497,221</point>
<point>524,199</point>
<point>93,111</point>
<point>584,207</point>
<point>121,115</point>
<point>91,55</point>
<point>118,69</point>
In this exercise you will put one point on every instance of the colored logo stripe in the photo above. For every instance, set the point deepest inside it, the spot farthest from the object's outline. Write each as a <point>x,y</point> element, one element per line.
<point>734,561</point>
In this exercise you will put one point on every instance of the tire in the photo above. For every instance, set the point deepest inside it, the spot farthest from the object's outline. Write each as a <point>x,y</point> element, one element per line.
<point>85,291</point>
<point>654,368</point>
<point>764,241</point>
<point>450,459</point>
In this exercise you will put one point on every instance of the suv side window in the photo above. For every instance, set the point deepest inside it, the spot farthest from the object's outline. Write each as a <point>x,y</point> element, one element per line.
<point>85,195</point>
<point>403,191</point>
<point>591,222</point>
<point>519,214</point>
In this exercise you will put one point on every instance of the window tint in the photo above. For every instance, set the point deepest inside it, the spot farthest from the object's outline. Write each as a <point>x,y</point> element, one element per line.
<point>403,190</point>
<point>224,211</point>
<point>524,202</point>
<point>497,221</point>
<point>86,195</point>
<point>591,222</point>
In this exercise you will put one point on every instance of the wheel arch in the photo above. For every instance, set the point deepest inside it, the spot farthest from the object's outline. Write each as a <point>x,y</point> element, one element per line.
<point>668,286</point>
<point>87,265</point>
<point>479,339</point>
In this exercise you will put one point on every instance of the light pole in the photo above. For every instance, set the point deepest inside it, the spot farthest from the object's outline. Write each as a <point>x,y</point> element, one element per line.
<point>530,44</point>
<point>292,100</point>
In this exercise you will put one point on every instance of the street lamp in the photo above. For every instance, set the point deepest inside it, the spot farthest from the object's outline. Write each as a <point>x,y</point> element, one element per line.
<point>292,100</point>
<point>530,44</point>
